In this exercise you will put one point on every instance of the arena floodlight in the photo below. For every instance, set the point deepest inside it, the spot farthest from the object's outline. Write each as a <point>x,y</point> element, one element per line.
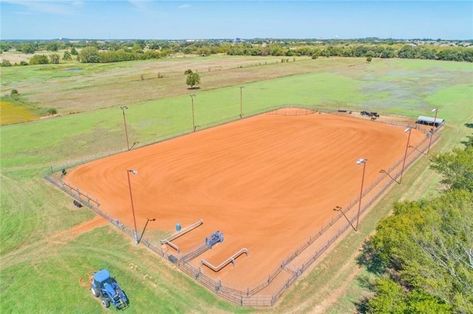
<point>339,209</point>
<point>123,108</point>
<point>436,110</point>
<point>144,228</point>
<point>193,113</point>
<point>389,175</point>
<point>360,161</point>
<point>241,101</point>
<point>408,130</point>
<point>133,172</point>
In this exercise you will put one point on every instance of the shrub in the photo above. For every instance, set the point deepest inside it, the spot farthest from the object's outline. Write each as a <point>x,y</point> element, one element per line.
<point>5,63</point>
<point>52,111</point>
<point>14,92</point>
<point>39,59</point>
<point>54,58</point>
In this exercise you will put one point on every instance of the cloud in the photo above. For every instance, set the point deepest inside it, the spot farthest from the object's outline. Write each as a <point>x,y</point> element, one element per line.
<point>63,7</point>
<point>184,6</point>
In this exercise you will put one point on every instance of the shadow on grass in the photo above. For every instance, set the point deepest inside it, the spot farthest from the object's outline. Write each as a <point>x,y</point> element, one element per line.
<point>362,305</point>
<point>370,258</point>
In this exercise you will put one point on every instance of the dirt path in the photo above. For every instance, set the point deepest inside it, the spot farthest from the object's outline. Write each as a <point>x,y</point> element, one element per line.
<point>77,230</point>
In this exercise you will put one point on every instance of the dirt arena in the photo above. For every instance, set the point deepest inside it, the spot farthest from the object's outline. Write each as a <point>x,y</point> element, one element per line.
<point>267,182</point>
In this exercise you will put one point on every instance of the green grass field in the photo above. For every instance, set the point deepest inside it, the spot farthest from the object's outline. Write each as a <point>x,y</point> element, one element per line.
<point>42,274</point>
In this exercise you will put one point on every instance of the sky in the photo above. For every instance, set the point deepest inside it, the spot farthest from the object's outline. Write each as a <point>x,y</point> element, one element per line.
<point>146,19</point>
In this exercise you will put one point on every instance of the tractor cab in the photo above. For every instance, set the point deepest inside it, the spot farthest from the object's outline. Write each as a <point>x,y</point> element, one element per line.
<point>106,288</point>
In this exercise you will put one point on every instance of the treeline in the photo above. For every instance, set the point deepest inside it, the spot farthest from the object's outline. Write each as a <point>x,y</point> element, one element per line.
<point>93,55</point>
<point>423,253</point>
<point>374,51</point>
<point>126,50</point>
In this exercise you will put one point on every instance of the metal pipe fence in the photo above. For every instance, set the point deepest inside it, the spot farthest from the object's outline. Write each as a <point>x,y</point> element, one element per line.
<point>251,296</point>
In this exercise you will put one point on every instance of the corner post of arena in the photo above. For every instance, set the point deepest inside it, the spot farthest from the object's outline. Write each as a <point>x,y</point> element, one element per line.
<point>409,131</point>
<point>123,108</point>
<point>361,161</point>
<point>193,113</point>
<point>134,172</point>
<point>432,130</point>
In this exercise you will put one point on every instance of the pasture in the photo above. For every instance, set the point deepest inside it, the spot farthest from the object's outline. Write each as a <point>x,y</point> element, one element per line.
<point>33,213</point>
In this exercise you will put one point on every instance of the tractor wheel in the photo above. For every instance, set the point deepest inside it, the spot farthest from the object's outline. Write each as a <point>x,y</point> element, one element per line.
<point>105,303</point>
<point>94,292</point>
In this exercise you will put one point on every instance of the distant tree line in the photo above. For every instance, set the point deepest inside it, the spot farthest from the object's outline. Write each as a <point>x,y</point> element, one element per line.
<point>423,253</point>
<point>373,51</point>
<point>127,50</point>
<point>93,55</point>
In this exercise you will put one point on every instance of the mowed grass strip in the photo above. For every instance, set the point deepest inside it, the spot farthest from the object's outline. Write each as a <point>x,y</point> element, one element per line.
<point>32,210</point>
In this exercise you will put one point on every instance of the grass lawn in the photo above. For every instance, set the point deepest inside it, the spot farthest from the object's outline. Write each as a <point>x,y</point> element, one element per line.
<point>32,211</point>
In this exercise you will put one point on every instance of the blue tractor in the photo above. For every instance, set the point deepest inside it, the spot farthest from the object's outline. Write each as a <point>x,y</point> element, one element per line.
<point>106,288</point>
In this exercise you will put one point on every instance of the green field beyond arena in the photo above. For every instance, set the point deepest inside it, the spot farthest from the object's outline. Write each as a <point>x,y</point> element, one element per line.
<point>44,266</point>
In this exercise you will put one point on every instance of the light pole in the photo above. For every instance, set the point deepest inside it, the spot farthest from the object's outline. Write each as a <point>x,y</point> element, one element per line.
<point>409,131</point>
<point>361,161</point>
<point>241,101</point>
<point>432,130</point>
<point>133,172</point>
<point>339,209</point>
<point>193,115</point>
<point>123,108</point>
<point>389,175</point>
<point>146,224</point>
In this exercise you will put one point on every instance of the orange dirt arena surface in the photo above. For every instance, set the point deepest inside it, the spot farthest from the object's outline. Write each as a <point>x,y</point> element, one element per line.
<point>268,183</point>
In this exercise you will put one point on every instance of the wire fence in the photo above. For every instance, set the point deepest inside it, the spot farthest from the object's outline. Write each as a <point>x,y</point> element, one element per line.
<point>334,228</point>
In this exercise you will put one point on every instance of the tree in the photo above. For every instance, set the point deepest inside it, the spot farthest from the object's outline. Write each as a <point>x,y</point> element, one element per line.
<point>89,55</point>
<point>52,46</point>
<point>39,59</point>
<point>54,58</point>
<point>188,71</point>
<point>193,80</point>
<point>456,168</point>
<point>74,51</point>
<point>67,56</point>
<point>27,48</point>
